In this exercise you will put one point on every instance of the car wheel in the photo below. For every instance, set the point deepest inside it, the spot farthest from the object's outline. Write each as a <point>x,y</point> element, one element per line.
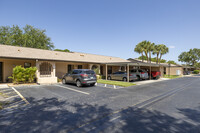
<point>124,79</point>
<point>63,81</point>
<point>157,77</point>
<point>93,84</point>
<point>78,83</point>
<point>138,78</point>
<point>109,78</point>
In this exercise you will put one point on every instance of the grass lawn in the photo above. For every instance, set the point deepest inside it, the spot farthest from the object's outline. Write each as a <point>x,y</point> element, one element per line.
<point>1,104</point>
<point>118,83</point>
<point>171,76</point>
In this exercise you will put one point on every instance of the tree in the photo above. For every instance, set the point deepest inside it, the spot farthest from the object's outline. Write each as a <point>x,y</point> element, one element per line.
<point>25,37</point>
<point>164,50</point>
<point>65,50</point>
<point>171,62</point>
<point>152,59</point>
<point>157,51</point>
<point>191,57</point>
<point>143,47</point>
<point>184,57</point>
<point>139,49</point>
<point>151,47</point>
<point>194,56</point>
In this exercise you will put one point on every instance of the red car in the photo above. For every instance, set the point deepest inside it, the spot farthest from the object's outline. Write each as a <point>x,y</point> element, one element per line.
<point>155,74</point>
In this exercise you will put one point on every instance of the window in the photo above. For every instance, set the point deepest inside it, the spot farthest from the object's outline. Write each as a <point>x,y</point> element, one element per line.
<point>89,72</point>
<point>46,69</point>
<point>121,72</point>
<point>116,73</point>
<point>27,65</point>
<point>70,68</point>
<point>75,72</point>
<point>109,70</point>
<point>80,66</point>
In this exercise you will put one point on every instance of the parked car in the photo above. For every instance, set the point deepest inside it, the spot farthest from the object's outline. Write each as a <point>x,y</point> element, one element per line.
<point>155,74</point>
<point>186,73</point>
<point>80,77</point>
<point>121,76</point>
<point>140,73</point>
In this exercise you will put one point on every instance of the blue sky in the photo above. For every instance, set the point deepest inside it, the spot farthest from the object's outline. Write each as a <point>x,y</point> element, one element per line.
<point>109,27</point>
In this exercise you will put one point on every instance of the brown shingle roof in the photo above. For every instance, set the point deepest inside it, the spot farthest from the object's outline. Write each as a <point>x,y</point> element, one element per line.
<point>33,53</point>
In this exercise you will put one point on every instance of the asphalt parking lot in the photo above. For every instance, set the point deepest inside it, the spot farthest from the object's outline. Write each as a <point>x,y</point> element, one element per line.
<point>67,108</point>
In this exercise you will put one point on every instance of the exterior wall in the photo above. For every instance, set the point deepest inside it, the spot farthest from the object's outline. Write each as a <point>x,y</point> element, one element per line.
<point>62,67</point>
<point>9,64</point>
<point>173,70</point>
<point>50,79</point>
<point>116,69</point>
<point>59,68</point>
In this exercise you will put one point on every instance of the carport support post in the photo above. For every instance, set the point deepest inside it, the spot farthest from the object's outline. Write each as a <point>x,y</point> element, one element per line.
<point>150,73</point>
<point>127,72</point>
<point>106,72</point>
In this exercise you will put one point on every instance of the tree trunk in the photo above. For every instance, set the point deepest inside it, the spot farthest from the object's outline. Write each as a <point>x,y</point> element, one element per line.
<point>160,58</point>
<point>157,58</point>
<point>150,56</point>
<point>142,57</point>
<point>147,56</point>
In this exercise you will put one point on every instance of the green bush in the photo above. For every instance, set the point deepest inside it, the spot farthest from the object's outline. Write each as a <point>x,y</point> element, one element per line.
<point>23,75</point>
<point>59,80</point>
<point>96,70</point>
<point>196,71</point>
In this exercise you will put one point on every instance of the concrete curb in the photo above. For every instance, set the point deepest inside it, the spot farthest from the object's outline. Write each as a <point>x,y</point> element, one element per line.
<point>109,86</point>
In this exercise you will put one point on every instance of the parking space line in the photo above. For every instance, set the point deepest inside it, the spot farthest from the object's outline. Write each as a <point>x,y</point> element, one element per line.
<point>20,95</point>
<point>11,97</point>
<point>73,89</point>
<point>115,118</point>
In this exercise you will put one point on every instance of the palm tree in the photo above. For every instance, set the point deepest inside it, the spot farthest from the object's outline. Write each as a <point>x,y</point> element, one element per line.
<point>139,49</point>
<point>157,50</point>
<point>164,50</point>
<point>145,45</point>
<point>150,49</point>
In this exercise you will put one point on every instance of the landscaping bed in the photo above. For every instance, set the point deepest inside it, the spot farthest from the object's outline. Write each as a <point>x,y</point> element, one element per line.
<point>171,76</point>
<point>117,83</point>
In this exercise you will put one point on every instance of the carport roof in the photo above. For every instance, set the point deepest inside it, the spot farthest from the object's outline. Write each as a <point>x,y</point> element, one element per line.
<point>133,63</point>
<point>16,52</point>
<point>154,63</point>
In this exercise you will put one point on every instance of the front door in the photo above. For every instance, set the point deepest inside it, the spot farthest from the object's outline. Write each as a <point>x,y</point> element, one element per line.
<point>1,72</point>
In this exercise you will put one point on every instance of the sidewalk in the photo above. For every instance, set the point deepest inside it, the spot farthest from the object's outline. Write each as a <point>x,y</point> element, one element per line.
<point>142,82</point>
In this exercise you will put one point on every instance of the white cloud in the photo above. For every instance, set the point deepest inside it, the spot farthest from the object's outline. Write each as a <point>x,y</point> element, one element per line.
<point>171,46</point>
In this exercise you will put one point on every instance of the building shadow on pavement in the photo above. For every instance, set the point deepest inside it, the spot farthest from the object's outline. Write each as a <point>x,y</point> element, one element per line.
<point>151,121</point>
<point>50,115</point>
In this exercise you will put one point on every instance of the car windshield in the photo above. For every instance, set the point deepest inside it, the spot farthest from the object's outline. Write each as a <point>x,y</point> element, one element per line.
<point>89,72</point>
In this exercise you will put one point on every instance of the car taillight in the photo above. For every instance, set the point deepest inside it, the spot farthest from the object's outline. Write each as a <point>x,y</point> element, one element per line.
<point>142,72</point>
<point>84,75</point>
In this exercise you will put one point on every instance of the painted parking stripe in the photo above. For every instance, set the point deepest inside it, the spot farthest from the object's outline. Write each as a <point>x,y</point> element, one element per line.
<point>73,89</point>
<point>11,97</point>
<point>115,118</point>
<point>20,95</point>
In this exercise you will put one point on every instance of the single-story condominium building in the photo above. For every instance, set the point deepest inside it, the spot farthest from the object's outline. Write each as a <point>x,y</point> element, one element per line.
<point>54,64</point>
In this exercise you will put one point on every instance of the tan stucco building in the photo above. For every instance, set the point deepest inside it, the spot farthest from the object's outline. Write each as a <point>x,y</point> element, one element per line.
<point>50,64</point>
<point>54,64</point>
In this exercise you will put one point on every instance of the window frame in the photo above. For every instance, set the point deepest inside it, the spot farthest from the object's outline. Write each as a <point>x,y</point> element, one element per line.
<point>27,63</point>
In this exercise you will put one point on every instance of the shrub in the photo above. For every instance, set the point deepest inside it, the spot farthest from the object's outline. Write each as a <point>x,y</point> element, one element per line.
<point>23,75</point>
<point>59,80</point>
<point>96,70</point>
<point>196,71</point>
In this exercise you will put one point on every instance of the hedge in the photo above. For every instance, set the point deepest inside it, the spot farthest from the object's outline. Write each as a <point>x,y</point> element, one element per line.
<point>23,75</point>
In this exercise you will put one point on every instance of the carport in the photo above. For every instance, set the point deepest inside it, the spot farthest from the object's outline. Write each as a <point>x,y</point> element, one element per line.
<point>135,64</point>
